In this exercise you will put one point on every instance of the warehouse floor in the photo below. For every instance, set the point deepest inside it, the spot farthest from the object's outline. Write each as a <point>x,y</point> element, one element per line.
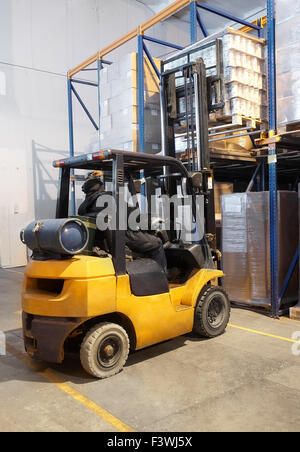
<point>242,381</point>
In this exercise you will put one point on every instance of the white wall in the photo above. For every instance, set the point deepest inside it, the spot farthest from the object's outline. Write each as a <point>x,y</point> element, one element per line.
<point>39,41</point>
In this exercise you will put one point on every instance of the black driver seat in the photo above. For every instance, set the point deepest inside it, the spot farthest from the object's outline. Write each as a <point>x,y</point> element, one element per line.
<point>185,256</point>
<point>147,278</point>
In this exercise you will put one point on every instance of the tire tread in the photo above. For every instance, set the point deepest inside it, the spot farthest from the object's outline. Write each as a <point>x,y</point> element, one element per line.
<point>86,351</point>
<point>199,322</point>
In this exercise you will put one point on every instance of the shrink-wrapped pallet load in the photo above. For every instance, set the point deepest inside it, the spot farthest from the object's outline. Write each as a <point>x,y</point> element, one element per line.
<point>295,311</point>
<point>246,246</point>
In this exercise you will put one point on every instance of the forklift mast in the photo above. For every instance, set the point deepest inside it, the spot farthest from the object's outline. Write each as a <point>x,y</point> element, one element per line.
<point>185,105</point>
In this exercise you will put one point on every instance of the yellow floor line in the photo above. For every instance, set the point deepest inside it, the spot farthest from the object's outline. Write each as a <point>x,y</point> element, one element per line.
<point>76,395</point>
<point>264,334</point>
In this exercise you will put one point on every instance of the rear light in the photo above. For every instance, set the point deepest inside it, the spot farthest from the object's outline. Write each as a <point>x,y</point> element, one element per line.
<point>59,163</point>
<point>101,155</point>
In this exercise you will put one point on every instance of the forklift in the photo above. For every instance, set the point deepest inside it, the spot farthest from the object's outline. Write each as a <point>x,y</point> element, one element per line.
<point>105,306</point>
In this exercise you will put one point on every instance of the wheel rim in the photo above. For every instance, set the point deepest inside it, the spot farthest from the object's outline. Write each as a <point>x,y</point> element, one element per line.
<point>109,351</point>
<point>215,312</point>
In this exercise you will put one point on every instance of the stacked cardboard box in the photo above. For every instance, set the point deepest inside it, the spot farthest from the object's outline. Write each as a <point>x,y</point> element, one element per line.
<point>119,106</point>
<point>245,81</point>
<point>288,61</point>
<point>246,249</point>
<point>244,73</point>
<point>220,189</point>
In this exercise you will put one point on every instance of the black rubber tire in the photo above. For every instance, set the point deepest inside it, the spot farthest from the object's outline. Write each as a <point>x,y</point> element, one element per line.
<point>90,351</point>
<point>203,324</point>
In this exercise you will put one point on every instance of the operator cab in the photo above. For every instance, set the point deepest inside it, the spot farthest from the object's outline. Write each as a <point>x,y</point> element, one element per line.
<point>167,203</point>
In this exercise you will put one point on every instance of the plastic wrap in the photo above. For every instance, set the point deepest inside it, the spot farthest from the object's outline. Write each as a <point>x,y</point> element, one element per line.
<point>245,245</point>
<point>288,61</point>
<point>295,311</point>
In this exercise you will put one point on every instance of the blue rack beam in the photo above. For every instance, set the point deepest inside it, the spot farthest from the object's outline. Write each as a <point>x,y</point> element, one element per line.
<point>84,82</point>
<point>272,159</point>
<point>70,108</point>
<point>256,172</point>
<point>84,108</point>
<point>193,22</point>
<point>261,31</point>
<point>163,43</point>
<point>288,277</point>
<point>109,63</point>
<point>201,24</point>
<point>226,15</point>
<point>71,142</point>
<point>141,93</point>
<point>99,69</point>
<point>145,48</point>
<point>271,65</point>
<point>141,112</point>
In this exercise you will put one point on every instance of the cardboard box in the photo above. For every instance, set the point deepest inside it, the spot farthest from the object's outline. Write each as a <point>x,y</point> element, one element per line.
<point>119,106</point>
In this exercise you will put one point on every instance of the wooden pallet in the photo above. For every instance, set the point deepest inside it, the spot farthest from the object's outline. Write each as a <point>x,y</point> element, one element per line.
<point>245,156</point>
<point>292,129</point>
<point>234,121</point>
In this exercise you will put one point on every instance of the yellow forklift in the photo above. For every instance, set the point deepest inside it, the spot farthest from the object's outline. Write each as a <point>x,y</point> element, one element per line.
<point>110,305</point>
<point>104,306</point>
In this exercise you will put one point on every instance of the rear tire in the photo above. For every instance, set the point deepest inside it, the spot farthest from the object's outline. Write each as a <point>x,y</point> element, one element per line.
<point>104,350</point>
<point>212,312</point>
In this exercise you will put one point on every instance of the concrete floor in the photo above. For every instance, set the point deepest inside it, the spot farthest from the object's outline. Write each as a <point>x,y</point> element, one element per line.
<point>241,381</point>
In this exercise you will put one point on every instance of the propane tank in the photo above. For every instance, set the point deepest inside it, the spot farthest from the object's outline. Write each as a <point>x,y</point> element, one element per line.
<point>65,237</point>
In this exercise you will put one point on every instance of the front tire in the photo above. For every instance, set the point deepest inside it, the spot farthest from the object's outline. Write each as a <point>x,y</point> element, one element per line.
<point>104,350</point>
<point>212,312</point>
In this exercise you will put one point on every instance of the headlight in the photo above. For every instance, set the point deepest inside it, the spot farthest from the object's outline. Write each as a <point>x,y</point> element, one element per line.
<point>63,236</point>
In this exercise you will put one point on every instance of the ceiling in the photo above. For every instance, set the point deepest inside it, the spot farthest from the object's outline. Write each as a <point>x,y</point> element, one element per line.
<point>241,8</point>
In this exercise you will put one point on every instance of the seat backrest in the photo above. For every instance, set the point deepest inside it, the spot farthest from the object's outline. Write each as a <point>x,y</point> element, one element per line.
<point>147,278</point>
<point>188,256</point>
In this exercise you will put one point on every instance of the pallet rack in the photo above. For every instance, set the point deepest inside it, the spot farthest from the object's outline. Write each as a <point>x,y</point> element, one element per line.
<point>270,141</point>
